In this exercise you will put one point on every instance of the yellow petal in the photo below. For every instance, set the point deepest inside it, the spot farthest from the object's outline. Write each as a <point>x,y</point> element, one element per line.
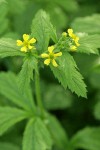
<point>77,44</point>
<point>19,43</point>
<point>76,41</point>
<point>50,49</point>
<point>24,49</point>
<point>44,55</point>
<point>73,48</point>
<point>47,62</point>
<point>30,47</point>
<point>70,32</point>
<point>26,37</point>
<point>77,38</point>
<point>58,54</point>
<point>33,40</point>
<point>54,63</point>
<point>74,36</point>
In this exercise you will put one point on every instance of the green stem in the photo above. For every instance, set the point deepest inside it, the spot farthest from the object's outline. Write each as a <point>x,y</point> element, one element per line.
<point>38,93</point>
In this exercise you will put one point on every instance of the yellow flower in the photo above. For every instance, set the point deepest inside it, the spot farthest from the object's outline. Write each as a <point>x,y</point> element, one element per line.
<point>76,41</point>
<point>74,37</point>
<point>64,34</point>
<point>26,43</point>
<point>70,32</point>
<point>51,56</point>
<point>73,48</point>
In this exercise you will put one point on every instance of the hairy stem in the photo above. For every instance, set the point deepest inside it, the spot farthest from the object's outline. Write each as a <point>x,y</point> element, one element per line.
<point>38,94</point>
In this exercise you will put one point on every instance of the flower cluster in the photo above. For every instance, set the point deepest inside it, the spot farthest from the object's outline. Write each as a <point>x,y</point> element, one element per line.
<point>75,40</point>
<point>50,57</point>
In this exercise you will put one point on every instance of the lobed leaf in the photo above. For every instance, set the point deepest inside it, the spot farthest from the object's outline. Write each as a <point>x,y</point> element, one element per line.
<point>43,30</point>
<point>8,48</point>
<point>36,136</point>
<point>89,44</point>
<point>88,138</point>
<point>10,116</point>
<point>88,24</point>
<point>9,88</point>
<point>26,74</point>
<point>57,132</point>
<point>8,146</point>
<point>67,73</point>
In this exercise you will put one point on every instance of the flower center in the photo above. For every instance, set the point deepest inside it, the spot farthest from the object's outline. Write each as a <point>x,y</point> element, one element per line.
<point>26,43</point>
<point>51,56</point>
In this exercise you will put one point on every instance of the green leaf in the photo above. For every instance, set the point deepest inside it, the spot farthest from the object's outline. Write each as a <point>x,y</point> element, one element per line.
<point>2,1</point>
<point>20,6</point>
<point>88,24</point>
<point>36,136</point>
<point>3,17</point>
<point>95,77</point>
<point>61,100</point>
<point>89,43</point>
<point>8,146</point>
<point>3,10</point>
<point>67,73</point>
<point>97,111</point>
<point>88,138</point>
<point>57,132</point>
<point>8,48</point>
<point>9,88</point>
<point>61,18</point>
<point>86,67</point>
<point>69,6</point>
<point>26,74</point>
<point>10,116</point>
<point>97,107</point>
<point>43,30</point>
<point>3,26</point>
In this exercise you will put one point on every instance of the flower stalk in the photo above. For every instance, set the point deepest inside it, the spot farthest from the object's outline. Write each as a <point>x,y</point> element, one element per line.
<point>38,94</point>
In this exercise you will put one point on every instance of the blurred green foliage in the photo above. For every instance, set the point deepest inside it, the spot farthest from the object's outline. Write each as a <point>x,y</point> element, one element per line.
<point>79,117</point>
